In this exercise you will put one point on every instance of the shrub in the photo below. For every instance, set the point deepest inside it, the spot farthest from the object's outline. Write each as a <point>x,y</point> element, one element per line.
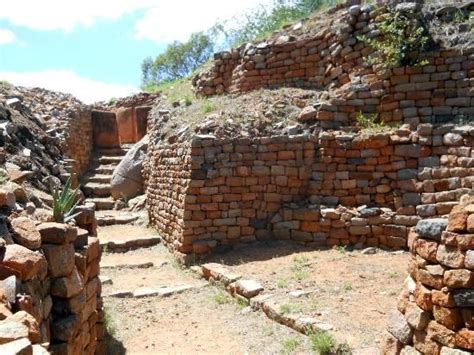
<point>401,36</point>
<point>322,343</point>
<point>65,203</point>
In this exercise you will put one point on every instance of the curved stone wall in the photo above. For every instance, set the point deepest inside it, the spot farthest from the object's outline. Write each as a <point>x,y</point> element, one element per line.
<point>436,310</point>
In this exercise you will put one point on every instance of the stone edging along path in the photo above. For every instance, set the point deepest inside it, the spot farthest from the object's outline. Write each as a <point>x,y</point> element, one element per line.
<point>250,292</point>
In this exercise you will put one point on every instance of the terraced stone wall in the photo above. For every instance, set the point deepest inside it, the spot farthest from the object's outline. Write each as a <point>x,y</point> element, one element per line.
<point>435,310</point>
<point>334,59</point>
<point>313,189</point>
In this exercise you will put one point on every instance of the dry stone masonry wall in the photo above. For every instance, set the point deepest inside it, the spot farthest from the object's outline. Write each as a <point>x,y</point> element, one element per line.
<point>334,59</point>
<point>327,189</point>
<point>50,293</point>
<point>435,311</point>
<point>78,143</point>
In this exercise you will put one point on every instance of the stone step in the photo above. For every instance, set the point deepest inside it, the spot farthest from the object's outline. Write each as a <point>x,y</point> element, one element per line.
<point>105,159</point>
<point>112,151</point>
<point>100,178</point>
<point>104,170</point>
<point>104,219</point>
<point>94,189</point>
<point>102,203</point>
<point>129,244</point>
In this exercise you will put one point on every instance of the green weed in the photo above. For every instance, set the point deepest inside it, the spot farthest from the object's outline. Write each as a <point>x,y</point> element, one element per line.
<point>290,345</point>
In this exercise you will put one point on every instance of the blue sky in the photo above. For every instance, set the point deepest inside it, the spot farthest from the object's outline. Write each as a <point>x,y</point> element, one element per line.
<point>94,48</point>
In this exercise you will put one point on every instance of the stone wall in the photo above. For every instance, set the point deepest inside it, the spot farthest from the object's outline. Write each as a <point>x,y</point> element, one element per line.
<point>167,172</point>
<point>50,291</point>
<point>333,59</point>
<point>435,311</point>
<point>78,145</point>
<point>309,188</point>
<point>123,125</point>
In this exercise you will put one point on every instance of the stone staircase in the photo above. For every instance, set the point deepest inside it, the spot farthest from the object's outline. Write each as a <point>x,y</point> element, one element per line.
<point>97,189</point>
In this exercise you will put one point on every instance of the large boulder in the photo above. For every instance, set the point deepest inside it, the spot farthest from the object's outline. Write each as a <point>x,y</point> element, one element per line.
<point>127,179</point>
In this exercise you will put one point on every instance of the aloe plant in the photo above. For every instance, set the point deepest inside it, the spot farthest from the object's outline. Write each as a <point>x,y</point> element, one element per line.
<point>65,203</point>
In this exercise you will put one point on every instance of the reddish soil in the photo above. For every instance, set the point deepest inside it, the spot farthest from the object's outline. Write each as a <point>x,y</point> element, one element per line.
<point>353,292</point>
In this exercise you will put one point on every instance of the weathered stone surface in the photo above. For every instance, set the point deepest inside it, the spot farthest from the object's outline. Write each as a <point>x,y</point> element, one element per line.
<point>28,263</point>
<point>440,333</point>
<point>11,329</point>
<point>464,298</point>
<point>469,259</point>
<point>64,329</point>
<point>450,351</point>
<point>60,259</point>
<point>465,339</point>
<point>457,221</point>
<point>399,327</point>
<point>57,233</point>
<point>416,317</point>
<point>460,278</point>
<point>219,272</point>
<point>307,114</point>
<point>69,286</point>
<point>127,179</point>
<point>25,233</point>
<point>450,256</point>
<point>449,317</point>
<point>248,288</point>
<point>30,322</point>
<point>431,228</point>
<point>17,347</point>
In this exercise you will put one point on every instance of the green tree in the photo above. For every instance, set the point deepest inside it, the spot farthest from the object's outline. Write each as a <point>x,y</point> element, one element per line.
<point>179,60</point>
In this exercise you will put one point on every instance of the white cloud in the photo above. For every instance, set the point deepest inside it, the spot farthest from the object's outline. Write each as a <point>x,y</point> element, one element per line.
<point>7,37</point>
<point>65,15</point>
<point>173,20</point>
<point>163,22</point>
<point>85,89</point>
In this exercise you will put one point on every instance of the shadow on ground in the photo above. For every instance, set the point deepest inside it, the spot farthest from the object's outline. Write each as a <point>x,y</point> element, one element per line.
<point>259,252</point>
<point>114,346</point>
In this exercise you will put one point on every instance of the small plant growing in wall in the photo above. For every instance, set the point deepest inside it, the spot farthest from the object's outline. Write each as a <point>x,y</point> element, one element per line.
<point>65,203</point>
<point>400,36</point>
<point>370,121</point>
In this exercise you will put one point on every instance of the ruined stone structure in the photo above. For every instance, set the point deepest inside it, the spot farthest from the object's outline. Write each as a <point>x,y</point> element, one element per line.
<point>334,59</point>
<point>435,310</point>
<point>57,285</point>
<point>78,141</point>
<point>111,129</point>
<point>217,192</point>
<point>224,192</point>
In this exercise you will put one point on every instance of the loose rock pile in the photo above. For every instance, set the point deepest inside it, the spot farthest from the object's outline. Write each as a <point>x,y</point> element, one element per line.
<point>435,311</point>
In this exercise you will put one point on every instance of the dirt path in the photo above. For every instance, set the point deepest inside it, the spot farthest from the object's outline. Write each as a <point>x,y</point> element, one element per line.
<point>351,291</point>
<point>201,320</point>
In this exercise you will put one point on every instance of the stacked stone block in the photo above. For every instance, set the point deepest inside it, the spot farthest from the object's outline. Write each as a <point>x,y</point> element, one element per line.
<point>73,268</point>
<point>435,312</point>
<point>317,189</point>
<point>54,290</point>
<point>334,59</point>
<point>167,172</point>
<point>78,143</point>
